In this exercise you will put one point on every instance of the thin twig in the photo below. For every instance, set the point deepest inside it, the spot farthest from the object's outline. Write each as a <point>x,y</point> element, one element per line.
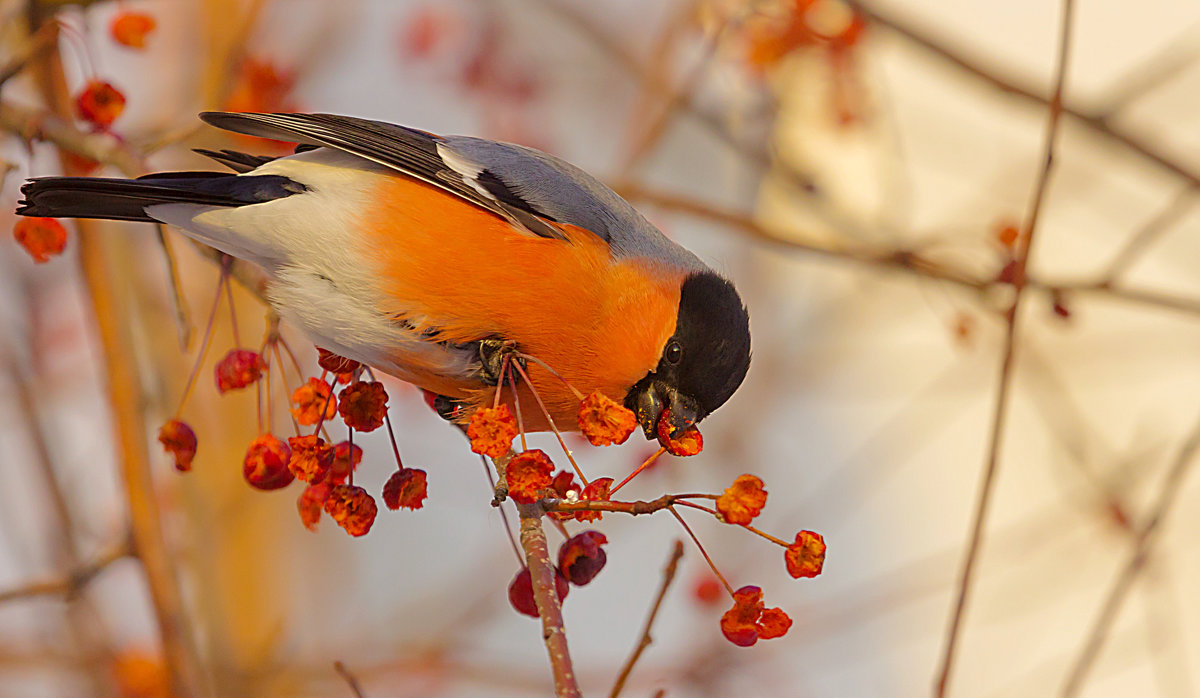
<point>74,581</point>
<point>1141,240</point>
<point>1136,562</point>
<point>351,679</point>
<point>1024,246</point>
<point>645,639</point>
<point>1099,123</point>
<point>183,325</point>
<point>545,594</point>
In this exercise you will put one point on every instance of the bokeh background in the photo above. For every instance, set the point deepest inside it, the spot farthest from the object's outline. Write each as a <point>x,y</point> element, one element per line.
<point>852,167</point>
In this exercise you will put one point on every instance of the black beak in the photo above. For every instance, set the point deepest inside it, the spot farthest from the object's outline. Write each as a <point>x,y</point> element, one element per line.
<point>658,397</point>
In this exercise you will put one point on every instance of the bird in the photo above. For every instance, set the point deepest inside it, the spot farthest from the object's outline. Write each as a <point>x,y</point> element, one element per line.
<point>436,258</point>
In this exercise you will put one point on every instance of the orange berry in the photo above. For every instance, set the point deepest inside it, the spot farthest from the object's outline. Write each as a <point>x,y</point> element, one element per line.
<point>405,488</point>
<point>743,500</point>
<point>310,503</point>
<point>310,399</point>
<point>179,440</point>
<point>492,431</point>
<point>311,458</point>
<point>363,406</point>
<point>131,29</point>
<point>527,474</point>
<point>805,557</point>
<point>100,104</point>
<point>266,463</point>
<point>352,508</point>
<point>42,238</point>
<point>239,368</point>
<point>604,421</point>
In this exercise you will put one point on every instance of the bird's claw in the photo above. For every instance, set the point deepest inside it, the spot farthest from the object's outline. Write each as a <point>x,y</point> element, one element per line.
<point>492,356</point>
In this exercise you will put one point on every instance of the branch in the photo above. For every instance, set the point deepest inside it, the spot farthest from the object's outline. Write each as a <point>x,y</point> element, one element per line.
<point>1134,565</point>
<point>351,679</point>
<point>1024,246</point>
<point>74,581</point>
<point>1099,123</point>
<point>644,642</point>
<point>900,260</point>
<point>545,594</point>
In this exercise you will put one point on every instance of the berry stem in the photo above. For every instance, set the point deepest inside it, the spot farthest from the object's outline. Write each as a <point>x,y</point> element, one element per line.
<point>226,263</point>
<point>553,427</point>
<point>748,527</point>
<point>703,552</point>
<point>646,464</point>
<point>500,385</point>
<point>543,364</point>
<point>512,540</point>
<point>517,404</point>
<point>387,419</point>
<point>204,344</point>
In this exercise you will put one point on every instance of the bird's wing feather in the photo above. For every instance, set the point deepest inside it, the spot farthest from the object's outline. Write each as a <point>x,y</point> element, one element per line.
<point>413,152</point>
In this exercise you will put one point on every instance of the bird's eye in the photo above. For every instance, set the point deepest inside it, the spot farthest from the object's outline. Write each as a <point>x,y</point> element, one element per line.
<point>673,353</point>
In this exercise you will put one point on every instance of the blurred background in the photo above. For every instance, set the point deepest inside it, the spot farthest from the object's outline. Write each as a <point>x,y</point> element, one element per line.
<point>866,173</point>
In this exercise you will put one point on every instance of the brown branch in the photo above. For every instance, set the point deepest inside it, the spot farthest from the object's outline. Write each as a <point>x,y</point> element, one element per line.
<point>125,399</point>
<point>1125,578</point>
<point>1024,246</point>
<point>351,679</point>
<point>1098,122</point>
<point>545,594</point>
<point>70,584</point>
<point>904,261</point>
<point>30,49</point>
<point>645,638</point>
<point>1145,236</point>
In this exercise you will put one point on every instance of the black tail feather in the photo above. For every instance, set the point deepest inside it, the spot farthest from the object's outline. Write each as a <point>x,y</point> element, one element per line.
<point>127,199</point>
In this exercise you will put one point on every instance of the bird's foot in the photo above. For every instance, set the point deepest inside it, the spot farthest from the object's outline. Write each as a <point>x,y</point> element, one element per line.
<point>493,354</point>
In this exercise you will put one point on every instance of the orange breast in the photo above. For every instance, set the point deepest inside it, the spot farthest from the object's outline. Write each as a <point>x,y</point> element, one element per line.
<point>448,265</point>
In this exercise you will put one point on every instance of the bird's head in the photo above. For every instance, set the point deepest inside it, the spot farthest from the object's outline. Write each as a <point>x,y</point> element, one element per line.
<point>702,363</point>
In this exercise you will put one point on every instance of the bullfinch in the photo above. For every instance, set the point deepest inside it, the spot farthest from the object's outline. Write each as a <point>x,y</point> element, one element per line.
<point>430,257</point>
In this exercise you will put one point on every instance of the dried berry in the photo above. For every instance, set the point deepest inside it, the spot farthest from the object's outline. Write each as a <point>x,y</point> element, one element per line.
<point>310,399</point>
<point>352,508</point>
<point>492,431</point>
<point>239,369</point>
<point>42,238</point>
<point>748,622</point>
<point>743,500</point>
<point>604,421</point>
<point>520,591</point>
<point>179,440</point>
<point>708,590</point>
<point>131,29</point>
<point>100,104</point>
<point>346,457</point>
<point>596,491</point>
<point>363,406</point>
<point>335,363</point>
<point>311,458</point>
<point>310,503</point>
<point>405,488</point>
<point>527,474</point>
<point>266,464</point>
<point>581,558</point>
<point>687,442</point>
<point>805,557</point>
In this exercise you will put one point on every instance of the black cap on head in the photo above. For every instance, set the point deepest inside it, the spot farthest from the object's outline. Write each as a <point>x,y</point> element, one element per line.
<point>703,362</point>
